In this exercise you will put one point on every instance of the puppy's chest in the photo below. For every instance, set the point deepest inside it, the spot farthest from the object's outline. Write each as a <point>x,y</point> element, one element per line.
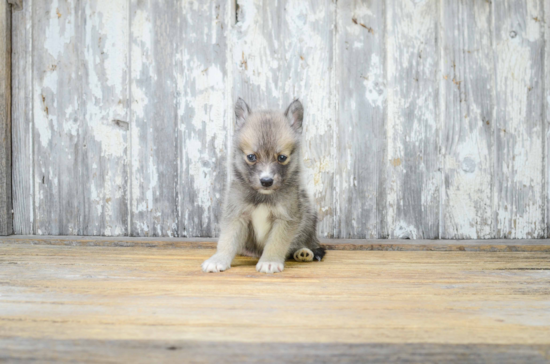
<point>262,221</point>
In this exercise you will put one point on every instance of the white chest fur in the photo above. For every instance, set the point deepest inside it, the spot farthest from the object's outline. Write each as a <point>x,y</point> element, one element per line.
<point>261,223</point>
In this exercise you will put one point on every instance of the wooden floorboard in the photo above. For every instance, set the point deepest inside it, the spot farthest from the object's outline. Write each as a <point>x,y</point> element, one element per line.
<point>488,245</point>
<point>62,303</point>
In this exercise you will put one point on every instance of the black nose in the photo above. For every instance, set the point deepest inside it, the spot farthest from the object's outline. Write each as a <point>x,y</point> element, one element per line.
<point>266,182</point>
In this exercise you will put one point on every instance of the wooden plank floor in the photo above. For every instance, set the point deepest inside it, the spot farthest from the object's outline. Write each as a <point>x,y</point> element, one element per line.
<point>107,304</point>
<point>488,245</point>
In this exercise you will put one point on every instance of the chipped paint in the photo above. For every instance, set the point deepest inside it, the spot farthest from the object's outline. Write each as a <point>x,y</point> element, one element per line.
<point>518,192</point>
<point>396,162</point>
<point>467,133</point>
<point>412,128</point>
<point>423,118</point>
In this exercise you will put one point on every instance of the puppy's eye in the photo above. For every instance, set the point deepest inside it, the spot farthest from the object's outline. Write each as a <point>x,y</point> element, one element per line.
<point>282,158</point>
<point>251,157</point>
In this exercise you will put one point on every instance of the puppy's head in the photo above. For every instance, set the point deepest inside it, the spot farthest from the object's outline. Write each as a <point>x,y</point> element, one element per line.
<point>267,146</point>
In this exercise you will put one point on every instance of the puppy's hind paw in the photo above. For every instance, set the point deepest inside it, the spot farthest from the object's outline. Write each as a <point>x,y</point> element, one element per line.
<point>270,267</point>
<point>216,264</point>
<point>303,255</point>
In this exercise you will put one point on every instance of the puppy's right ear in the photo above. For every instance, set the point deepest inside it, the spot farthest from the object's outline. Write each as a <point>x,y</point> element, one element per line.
<point>242,111</point>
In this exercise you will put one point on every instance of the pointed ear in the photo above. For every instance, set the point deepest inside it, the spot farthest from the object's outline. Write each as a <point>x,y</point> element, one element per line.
<point>242,111</point>
<point>295,115</point>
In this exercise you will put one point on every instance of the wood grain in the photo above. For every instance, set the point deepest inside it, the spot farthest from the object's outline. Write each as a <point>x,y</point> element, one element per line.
<point>204,117</point>
<point>546,120</point>
<point>105,115</point>
<point>5,120</point>
<point>100,300</point>
<point>308,73</point>
<point>176,351</point>
<point>467,120</point>
<point>360,188</point>
<point>414,178</point>
<point>424,119</point>
<point>487,245</point>
<point>58,120</point>
<point>519,173</point>
<point>153,121</point>
<point>22,121</point>
<point>79,106</point>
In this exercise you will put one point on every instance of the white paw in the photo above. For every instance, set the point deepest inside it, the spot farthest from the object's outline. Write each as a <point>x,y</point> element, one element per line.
<point>215,264</point>
<point>303,255</point>
<point>270,267</point>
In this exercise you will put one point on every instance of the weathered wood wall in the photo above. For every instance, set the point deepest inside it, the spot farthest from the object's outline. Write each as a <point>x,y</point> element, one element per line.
<point>5,120</point>
<point>424,119</point>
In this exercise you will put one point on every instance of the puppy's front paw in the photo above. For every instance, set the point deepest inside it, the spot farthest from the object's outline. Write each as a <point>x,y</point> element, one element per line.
<point>217,263</point>
<point>270,267</point>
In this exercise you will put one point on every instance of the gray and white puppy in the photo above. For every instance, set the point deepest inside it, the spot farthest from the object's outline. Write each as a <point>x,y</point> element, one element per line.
<point>267,212</point>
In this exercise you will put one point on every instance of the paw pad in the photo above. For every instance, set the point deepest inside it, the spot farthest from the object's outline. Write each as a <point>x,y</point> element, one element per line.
<point>303,255</point>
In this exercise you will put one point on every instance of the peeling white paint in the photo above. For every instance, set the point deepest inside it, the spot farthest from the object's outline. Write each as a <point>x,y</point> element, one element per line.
<point>443,130</point>
<point>60,32</point>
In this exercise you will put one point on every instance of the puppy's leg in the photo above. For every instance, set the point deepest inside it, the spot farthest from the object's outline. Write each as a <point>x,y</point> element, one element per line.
<point>276,249</point>
<point>231,240</point>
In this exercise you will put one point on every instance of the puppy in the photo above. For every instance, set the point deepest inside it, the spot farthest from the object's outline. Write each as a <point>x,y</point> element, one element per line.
<point>267,212</point>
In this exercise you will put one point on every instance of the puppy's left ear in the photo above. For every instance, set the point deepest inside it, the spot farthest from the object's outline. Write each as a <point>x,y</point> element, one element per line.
<point>295,115</point>
<point>242,111</point>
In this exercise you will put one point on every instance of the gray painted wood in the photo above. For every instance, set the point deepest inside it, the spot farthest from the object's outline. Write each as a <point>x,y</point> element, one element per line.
<point>203,119</point>
<point>546,120</point>
<point>519,174</point>
<point>5,119</point>
<point>16,4</point>
<point>308,72</point>
<point>22,116</point>
<point>413,183</point>
<point>360,171</point>
<point>154,119</point>
<point>467,120</point>
<point>424,119</point>
<point>57,118</point>
<point>105,112</point>
<point>80,53</point>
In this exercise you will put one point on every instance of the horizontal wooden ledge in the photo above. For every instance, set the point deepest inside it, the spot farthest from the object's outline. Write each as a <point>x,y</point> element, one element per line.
<point>490,245</point>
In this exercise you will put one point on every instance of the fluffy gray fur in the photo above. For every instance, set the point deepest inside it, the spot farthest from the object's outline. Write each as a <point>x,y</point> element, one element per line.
<point>267,212</point>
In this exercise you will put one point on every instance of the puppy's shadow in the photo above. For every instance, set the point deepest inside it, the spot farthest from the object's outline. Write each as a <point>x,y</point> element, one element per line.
<point>244,261</point>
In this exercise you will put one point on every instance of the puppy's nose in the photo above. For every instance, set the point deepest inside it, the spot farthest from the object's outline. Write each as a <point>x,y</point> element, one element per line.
<point>266,182</point>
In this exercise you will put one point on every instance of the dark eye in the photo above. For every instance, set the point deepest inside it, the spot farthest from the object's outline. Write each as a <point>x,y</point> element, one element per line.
<point>282,158</point>
<point>251,157</point>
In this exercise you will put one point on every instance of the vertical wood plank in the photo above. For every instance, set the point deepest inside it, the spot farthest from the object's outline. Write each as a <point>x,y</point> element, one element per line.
<point>467,119</point>
<point>519,173</point>
<point>360,197</point>
<point>308,73</point>
<point>22,121</point>
<point>413,131</point>
<point>79,107</point>
<point>57,118</point>
<point>258,52</point>
<point>153,120</point>
<point>104,104</point>
<point>283,50</point>
<point>203,119</point>
<point>5,120</point>
<point>546,120</point>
